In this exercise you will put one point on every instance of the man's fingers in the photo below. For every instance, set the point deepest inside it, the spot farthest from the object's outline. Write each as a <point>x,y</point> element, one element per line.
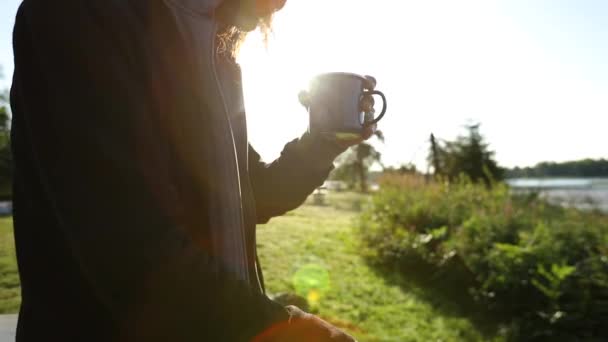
<point>367,103</point>
<point>368,132</point>
<point>370,82</point>
<point>346,143</point>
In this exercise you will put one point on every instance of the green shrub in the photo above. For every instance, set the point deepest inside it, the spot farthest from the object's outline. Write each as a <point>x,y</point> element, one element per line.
<point>538,268</point>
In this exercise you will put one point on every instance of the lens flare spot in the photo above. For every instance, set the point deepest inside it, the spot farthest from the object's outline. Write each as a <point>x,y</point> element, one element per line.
<point>311,281</point>
<point>313,297</point>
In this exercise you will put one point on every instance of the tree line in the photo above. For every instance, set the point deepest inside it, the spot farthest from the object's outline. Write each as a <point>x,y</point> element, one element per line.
<point>469,155</point>
<point>577,168</point>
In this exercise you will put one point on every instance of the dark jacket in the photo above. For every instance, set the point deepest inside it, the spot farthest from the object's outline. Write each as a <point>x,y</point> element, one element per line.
<point>131,166</point>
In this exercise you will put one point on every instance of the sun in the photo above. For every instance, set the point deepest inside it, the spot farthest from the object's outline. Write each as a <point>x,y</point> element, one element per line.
<point>302,45</point>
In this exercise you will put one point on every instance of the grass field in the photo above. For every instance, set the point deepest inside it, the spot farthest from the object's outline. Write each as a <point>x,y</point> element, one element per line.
<point>9,278</point>
<point>314,251</point>
<point>372,306</point>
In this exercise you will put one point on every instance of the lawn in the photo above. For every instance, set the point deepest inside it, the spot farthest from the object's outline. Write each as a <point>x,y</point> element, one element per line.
<point>300,250</point>
<point>9,278</point>
<point>313,251</point>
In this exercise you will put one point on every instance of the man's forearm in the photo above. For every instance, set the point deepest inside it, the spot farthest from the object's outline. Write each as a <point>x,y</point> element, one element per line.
<point>285,184</point>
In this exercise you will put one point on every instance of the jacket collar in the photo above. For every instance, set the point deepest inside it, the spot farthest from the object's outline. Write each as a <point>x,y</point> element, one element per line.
<point>200,7</point>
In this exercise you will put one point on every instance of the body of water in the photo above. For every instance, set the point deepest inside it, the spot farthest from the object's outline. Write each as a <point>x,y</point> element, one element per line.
<point>584,193</point>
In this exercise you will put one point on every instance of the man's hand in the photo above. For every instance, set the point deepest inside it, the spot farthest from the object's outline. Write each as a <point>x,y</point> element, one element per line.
<point>367,133</point>
<point>304,327</point>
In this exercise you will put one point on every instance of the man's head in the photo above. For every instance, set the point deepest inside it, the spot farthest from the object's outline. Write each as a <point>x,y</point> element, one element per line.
<point>246,15</point>
<point>238,17</point>
<point>264,8</point>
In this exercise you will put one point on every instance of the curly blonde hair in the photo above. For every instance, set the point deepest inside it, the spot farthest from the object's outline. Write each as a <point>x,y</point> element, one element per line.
<point>230,38</point>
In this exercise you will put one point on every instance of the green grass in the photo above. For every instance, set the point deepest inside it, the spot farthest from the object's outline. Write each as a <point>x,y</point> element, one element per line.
<point>10,294</point>
<point>371,305</point>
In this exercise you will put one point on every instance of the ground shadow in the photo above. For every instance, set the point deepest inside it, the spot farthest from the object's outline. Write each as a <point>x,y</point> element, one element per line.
<point>447,289</point>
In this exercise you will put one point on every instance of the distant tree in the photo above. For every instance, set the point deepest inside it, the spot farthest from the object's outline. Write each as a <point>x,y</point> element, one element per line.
<point>408,168</point>
<point>5,149</point>
<point>353,166</point>
<point>577,168</point>
<point>468,154</point>
<point>434,155</point>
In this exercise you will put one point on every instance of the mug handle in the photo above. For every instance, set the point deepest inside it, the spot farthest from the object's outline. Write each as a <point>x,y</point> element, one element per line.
<point>379,93</point>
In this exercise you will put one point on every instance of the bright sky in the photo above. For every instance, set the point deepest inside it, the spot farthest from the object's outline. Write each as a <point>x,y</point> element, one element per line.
<point>534,73</point>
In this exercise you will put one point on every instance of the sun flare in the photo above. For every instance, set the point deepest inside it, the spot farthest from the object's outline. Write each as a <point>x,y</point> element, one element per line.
<point>305,42</point>
<point>441,64</point>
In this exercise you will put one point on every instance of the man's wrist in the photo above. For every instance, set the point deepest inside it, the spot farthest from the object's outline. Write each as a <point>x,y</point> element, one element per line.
<point>319,150</point>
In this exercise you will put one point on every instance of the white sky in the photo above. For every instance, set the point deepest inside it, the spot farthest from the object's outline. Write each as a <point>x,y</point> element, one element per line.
<point>534,73</point>
<point>441,64</point>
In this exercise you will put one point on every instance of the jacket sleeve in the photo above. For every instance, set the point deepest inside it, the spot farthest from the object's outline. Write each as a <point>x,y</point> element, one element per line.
<point>85,96</point>
<point>285,183</point>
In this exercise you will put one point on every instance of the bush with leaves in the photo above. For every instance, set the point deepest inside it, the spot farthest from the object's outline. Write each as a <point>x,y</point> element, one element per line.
<point>540,269</point>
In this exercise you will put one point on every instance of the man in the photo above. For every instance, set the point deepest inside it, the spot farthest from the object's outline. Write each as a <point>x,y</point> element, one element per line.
<point>136,193</point>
